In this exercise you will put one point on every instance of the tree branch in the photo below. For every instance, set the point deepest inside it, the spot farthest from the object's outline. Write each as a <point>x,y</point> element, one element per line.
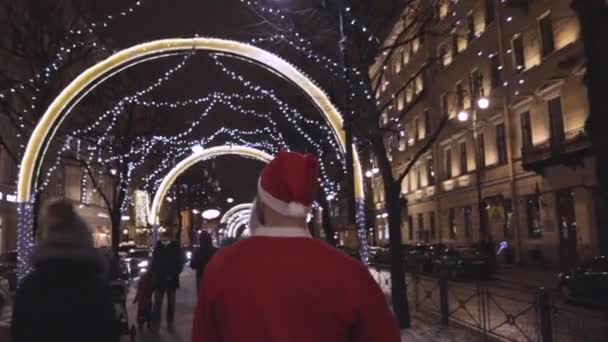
<point>429,142</point>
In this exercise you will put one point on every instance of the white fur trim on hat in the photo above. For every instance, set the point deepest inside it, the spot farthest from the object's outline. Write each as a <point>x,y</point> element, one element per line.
<point>292,209</point>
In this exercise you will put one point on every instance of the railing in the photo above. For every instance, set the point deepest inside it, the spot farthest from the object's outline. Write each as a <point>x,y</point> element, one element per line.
<point>497,312</point>
<point>571,142</point>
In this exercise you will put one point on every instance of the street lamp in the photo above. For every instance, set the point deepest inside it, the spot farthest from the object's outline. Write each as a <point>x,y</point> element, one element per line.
<point>483,103</point>
<point>229,200</point>
<point>369,174</point>
<point>463,116</point>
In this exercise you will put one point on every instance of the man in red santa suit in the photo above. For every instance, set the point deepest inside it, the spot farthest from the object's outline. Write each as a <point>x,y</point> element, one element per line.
<point>281,285</point>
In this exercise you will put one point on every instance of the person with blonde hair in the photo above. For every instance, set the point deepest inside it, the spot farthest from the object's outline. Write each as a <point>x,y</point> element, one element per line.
<point>66,298</point>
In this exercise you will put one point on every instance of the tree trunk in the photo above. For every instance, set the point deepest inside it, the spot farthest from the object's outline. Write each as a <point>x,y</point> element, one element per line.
<point>326,222</point>
<point>393,208</point>
<point>592,16</point>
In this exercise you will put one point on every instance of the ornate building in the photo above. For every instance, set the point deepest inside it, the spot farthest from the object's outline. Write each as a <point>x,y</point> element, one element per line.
<point>512,163</point>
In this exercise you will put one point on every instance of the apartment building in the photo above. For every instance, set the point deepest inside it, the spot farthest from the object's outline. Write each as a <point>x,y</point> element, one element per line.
<point>512,163</point>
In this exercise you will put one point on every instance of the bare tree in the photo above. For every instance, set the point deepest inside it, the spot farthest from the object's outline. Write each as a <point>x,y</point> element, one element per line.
<point>353,27</point>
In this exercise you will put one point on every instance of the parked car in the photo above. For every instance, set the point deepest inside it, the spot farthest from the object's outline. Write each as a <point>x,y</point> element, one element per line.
<point>8,268</point>
<point>137,261</point>
<point>420,258</point>
<point>587,283</point>
<point>463,262</point>
<point>379,256</point>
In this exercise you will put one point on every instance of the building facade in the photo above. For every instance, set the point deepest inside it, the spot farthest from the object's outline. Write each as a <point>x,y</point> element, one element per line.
<point>514,167</point>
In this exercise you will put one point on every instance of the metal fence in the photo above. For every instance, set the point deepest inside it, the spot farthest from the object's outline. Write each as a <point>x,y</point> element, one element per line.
<point>500,313</point>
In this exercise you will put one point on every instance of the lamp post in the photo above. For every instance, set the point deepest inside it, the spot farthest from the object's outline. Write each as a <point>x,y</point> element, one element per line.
<point>482,103</point>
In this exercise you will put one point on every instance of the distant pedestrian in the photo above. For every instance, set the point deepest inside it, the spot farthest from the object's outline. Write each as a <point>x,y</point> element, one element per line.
<point>202,256</point>
<point>167,264</point>
<point>66,298</point>
<point>281,284</point>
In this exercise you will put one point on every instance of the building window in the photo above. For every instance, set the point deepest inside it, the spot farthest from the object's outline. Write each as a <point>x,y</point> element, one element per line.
<point>501,144</point>
<point>476,81</point>
<point>416,130</point>
<point>490,14</point>
<point>442,8</point>
<point>481,145</point>
<point>432,226</point>
<point>546,34</point>
<point>419,84</point>
<point>430,172</point>
<point>526,130</point>
<point>495,71</point>
<point>455,49</point>
<point>448,164</point>
<point>535,230</point>
<point>470,27</point>
<point>452,223</point>
<point>410,227</point>
<point>463,158</point>
<point>556,121</point>
<point>405,55</point>
<point>415,45</point>
<point>519,61</point>
<point>397,64</point>
<point>446,58</point>
<point>420,226</point>
<point>427,122</point>
<point>400,99</point>
<point>419,177</point>
<point>460,96</point>
<point>468,222</point>
<point>444,104</point>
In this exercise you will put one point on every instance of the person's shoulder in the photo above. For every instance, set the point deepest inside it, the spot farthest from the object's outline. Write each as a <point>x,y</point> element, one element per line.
<point>332,255</point>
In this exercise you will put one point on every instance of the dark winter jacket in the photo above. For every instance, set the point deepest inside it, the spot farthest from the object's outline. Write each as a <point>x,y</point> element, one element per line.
<point>64,300</point>
<point>167,264</point>
<point>201,258</point>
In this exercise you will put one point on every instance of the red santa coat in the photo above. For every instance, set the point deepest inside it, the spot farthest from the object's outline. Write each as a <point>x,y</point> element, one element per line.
<point>290,288</point>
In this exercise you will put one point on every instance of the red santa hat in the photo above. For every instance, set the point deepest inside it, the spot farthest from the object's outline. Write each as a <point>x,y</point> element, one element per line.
<point>288,184</point>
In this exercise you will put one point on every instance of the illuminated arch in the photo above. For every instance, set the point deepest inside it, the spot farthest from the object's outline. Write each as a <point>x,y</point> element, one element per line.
<point>238,223</point>
<point>95,75</point>
<point>69,97</point>
<point>233,210</point>
<point>235,222</point>
<point>187,163</point>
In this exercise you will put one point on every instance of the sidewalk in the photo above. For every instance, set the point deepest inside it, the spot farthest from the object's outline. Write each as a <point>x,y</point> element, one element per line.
<point>425,331</point>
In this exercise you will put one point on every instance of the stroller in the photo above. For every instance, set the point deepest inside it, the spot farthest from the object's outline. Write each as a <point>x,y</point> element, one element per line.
<point>119,298</point>
<point>143,298</point>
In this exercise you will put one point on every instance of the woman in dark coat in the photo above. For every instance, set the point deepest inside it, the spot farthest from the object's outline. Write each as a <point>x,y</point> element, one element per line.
<point>66,297</point>
<point>202,256</point>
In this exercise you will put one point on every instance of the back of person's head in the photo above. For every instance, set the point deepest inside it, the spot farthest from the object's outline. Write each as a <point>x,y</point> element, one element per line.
<point>65,235</point>
<point>62,225</point>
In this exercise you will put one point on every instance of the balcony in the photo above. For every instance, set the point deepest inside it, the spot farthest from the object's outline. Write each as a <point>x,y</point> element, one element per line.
<point>569,149</point>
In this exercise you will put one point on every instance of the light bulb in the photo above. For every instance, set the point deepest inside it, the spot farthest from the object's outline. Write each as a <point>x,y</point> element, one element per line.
<point>483,103</point>
<point>463,116</point>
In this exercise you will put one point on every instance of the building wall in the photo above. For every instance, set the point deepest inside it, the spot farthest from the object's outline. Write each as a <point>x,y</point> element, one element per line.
<point>515,84</point>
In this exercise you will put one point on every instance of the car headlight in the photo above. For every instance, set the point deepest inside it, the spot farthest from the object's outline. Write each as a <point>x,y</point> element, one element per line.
<point>189,255</point>
<point>143,264</point>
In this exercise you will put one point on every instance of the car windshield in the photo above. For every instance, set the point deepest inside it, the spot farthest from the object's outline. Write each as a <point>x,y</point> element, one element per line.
<point>139,253</point>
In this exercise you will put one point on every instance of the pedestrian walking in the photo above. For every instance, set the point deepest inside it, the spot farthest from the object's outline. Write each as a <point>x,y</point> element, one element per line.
<point>167,264</point>
<point>66,298</point>
<point>281,284</point>
<point>202,256</point>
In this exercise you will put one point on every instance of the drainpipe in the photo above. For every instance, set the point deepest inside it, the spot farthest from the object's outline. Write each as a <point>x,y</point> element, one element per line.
<point>507,117</point>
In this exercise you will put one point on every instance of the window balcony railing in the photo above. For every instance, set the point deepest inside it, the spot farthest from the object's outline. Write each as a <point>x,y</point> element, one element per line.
<point>564,149</point>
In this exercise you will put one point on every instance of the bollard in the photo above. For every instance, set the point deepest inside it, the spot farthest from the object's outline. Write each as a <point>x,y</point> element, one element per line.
<point>544,308</point>
<point>443,297</point>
